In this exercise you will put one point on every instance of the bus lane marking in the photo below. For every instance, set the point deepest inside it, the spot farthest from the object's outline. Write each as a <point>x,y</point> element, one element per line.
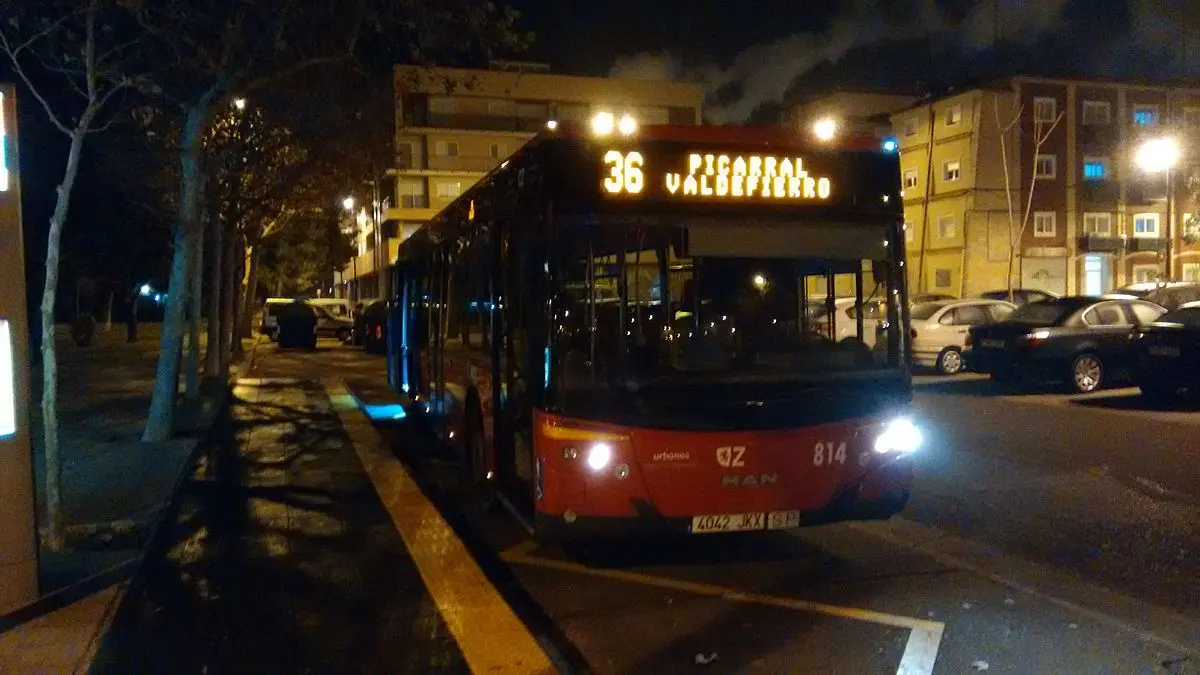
<point>920,651</point>
<point>488,632</point>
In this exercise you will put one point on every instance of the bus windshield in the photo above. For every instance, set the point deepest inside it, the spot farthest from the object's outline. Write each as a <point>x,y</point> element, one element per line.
<point>668,311</point>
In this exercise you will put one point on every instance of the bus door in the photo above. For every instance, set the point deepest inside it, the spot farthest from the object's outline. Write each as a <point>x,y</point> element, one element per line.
<point>518,364</point>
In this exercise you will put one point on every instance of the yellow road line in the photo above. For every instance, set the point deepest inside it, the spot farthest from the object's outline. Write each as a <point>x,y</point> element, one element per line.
<point>491,637</point>
<point>515,555</point>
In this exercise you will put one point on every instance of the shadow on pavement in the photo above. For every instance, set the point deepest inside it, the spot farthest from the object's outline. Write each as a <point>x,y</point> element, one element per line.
<point>1138,401</point>
<point>277,556</point>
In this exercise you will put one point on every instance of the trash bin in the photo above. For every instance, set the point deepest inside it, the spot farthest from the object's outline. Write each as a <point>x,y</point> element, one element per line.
<point>297,326</point>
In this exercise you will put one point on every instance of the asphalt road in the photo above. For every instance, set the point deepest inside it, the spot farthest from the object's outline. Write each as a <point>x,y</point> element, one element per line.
<point>1047,533</point>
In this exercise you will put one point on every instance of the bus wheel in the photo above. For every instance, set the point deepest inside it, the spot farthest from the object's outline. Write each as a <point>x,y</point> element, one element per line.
<point>477,464</point>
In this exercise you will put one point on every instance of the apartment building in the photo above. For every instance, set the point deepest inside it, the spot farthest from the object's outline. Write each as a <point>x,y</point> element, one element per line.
<point>1082,215</point>
<point>454,125</point>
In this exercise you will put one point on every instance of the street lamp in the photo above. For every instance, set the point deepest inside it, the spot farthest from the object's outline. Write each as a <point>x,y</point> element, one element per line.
<point>825,129</point>
<point>239,103</point>
<point>1160,155</point>
<point>348,203</point>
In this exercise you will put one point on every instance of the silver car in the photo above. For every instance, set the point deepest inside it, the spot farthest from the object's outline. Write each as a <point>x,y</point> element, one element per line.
<point>940,329</point>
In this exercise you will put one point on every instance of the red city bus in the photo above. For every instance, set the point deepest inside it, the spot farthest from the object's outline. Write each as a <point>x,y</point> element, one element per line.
<point>615,333</point>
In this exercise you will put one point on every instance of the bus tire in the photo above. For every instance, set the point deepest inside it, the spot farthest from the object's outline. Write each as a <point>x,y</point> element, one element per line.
<point>476,456</point>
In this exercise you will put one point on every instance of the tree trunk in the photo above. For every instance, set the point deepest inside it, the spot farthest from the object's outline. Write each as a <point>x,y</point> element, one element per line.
<point>278,287</point>
<point>161,420</point>
<point>229,280</point>
<point>195,299</point>
<point>108,310</point>
<point>240,306</point>
<point>212,346</point>
<point>250,294</point>
<point>54,514</point>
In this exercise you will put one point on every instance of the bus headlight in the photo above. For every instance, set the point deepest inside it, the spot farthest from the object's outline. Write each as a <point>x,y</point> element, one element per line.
<point>598,456</point>
<point>900,435</point>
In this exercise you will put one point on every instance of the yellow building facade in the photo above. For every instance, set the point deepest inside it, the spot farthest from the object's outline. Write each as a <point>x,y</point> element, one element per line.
<point>454,125</point>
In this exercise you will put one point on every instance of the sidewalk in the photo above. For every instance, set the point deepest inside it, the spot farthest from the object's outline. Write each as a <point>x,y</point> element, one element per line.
<point>278,556</point>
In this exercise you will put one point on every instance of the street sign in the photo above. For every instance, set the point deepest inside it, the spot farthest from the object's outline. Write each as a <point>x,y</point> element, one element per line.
<point>18,526</point>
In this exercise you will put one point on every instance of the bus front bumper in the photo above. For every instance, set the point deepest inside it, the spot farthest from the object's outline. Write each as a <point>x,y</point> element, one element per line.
<point>648,523</point>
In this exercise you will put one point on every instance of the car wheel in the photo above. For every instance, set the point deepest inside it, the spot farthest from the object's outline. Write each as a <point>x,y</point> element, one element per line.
<point>1087,373</point>
<point>950,361</point>
<point>344,336</point>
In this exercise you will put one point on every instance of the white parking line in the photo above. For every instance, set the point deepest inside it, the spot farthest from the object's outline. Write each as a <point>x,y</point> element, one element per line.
<point>920,652</point>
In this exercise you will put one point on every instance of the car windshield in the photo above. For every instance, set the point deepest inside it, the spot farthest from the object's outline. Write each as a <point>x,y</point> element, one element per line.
<point>1044,313</point>
<point>925,310</point>
<point>662,317</point>
<point>1188,316</point>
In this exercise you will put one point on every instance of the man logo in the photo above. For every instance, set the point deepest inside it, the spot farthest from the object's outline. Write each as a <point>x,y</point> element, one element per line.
<point>731,456</point>
<point>751,480</point>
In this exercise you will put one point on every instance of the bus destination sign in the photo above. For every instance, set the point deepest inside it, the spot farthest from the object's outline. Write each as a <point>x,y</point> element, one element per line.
<point>719,177</point>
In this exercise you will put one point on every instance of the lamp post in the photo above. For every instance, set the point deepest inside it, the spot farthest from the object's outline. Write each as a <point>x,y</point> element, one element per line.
<point>348,205</point>
<point>1160,155</point>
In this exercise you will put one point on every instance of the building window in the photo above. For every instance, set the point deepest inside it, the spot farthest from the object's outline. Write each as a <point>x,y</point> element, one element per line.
<point>1044,224</point>
<point>1145,225</point>
<point>1145,115</point>
<point>1191,272</point>
<point>1191,118</point>
<point>442,105</point>
<point>1099,224</point>
<point>908,233</point>
<point>412,194</point>
<point>449,190</point>
<point>1144,274</point>
<point>446,148</point>
<point>1095,168</point>
<point>910,126</point>
<point>953,115</point>
<point>498,151</point>
<point>1046,166</point>
<point>910,179</point>
<point>1097,112</point>
<point>1045,109</point>
<point>941,278</point>
<point>945,227</point>
<point>951,170</point>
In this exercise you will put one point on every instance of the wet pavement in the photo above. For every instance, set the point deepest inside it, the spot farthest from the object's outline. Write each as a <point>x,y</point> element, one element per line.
<point>1047,534</point>
<point>278,557</point>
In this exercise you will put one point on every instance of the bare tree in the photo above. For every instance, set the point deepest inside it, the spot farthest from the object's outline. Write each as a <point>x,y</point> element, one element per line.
<point>219,51</point>
<point>1016,229</point>
<point>80,47</point>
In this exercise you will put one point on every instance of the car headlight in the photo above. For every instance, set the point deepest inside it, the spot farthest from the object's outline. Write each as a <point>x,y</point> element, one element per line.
<point>900,435</point>
<point>598,456</point>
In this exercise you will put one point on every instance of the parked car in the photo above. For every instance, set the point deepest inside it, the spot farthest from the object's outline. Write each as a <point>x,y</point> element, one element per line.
<point>845,319</point>
<point>1169,354</point>
<point>1082,340</point>
<point>373,320</point>
<point>270,315</point>
<point>1020,296</point>
<point>330,325</point>
<point>939,329</point>
<point>930,297</point>
<point>1173,295</point>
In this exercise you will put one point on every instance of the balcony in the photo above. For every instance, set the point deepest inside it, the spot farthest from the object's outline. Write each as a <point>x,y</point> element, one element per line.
<point>407,161</point>
<point>475,122</point>
<point>1100,192</point>
<point>1099,243</point>
<point>1143,191</point>
<point>1145,245</point>
<point>1099,139</point>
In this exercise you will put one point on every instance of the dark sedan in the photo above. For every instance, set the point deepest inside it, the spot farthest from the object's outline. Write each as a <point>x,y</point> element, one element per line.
<point>373,320</point>
<point>1082,340</point>
<point>1169,354</point>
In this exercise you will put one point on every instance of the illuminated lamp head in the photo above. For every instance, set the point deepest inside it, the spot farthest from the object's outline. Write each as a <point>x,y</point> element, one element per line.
<point>627,126</point>
<point>890,145</point>
<point>825,129</point>
<point>760,281</point>
<point>552,125</point>
<point>602,123</point>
